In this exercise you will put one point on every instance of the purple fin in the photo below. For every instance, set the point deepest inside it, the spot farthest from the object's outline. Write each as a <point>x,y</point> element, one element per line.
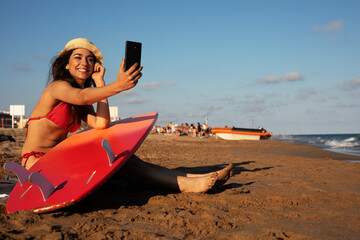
<point>21,172</point>
<point>43,183</point>
<point>109,151</point>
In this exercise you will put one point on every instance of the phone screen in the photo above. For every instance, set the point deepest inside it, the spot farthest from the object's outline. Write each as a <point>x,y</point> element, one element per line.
<point>132,54</point>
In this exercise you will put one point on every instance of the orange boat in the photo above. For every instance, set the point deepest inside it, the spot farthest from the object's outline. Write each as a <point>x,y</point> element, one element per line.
<point>241,133</point>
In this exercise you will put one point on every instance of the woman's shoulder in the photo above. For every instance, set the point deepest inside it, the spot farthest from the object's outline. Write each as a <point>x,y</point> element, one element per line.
<point>52,88</point>
<point>56,86</point>
<point>58,83</point>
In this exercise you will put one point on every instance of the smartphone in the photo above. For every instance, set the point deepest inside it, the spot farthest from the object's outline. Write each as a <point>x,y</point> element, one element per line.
<point>132,54</point>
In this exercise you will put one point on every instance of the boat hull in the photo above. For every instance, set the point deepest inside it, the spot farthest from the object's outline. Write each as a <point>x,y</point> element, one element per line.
<point>230,136</point>
<point>241,133</point>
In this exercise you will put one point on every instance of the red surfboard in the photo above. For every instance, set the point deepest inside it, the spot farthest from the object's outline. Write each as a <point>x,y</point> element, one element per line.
<point>78,165</point>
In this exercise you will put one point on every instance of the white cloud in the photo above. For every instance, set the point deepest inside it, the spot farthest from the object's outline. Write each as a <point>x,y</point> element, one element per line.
<point>41,58</point>
<point>130,92</point>
<point>355,94</point>
<point>319,99</point>
<point>287,77</point>
<point>311,90</point>
<point>150,86</point>
<point>349,105</point>
<point>305,93</point>
<point>333,97</point>
<point>349,85</point>
<point>225,99</point>
<point>302,96</point>
<point>20,67</point>
<point>212,107</point>
<point>133,101</point>
<point>256,105</point>
<point>293,76</point>
<point>169,84</point>
<point>334,26</point>
<point>196,115</point>
<point>270,79</point>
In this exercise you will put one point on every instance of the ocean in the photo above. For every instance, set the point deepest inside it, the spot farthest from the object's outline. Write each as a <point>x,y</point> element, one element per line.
<point>342,143</point>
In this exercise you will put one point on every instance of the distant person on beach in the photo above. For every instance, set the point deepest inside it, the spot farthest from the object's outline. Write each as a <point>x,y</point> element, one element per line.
<point>199,129</point>
<point>206,130</point>
<point>186,128</point>
<point>169,127</point>
<point>193,130</point>
<point>76,81</point>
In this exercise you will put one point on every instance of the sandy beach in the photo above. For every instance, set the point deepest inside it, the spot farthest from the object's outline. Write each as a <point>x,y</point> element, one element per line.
<point>279,190</point>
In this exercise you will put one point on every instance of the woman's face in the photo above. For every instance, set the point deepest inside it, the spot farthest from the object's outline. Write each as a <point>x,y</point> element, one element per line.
<point>81,65</point>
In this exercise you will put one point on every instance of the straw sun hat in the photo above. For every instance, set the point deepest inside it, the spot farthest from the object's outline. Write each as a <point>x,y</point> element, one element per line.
<point>83,43</point>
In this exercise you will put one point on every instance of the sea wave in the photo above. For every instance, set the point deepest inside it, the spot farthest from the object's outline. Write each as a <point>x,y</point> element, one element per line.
<point>342,144</point>
<point>349,143</point>
<point>352,139</point>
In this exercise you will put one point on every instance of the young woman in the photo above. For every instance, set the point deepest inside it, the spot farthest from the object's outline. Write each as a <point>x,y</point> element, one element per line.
<point>68,99</point>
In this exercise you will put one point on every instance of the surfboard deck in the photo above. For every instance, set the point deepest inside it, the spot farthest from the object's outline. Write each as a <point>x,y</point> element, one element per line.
<point>79,165</point>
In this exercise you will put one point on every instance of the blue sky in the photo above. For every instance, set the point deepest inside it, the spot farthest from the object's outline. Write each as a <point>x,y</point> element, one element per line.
<point>290,66</point>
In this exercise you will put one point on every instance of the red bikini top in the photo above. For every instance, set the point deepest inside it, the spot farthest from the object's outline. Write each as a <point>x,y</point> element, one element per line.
<point>60,115</point>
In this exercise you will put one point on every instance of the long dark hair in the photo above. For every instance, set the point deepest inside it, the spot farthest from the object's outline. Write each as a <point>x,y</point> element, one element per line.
<point>58,72</point>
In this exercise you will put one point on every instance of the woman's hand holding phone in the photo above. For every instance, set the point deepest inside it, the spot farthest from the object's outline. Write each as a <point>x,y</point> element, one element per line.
<point>128,79</point>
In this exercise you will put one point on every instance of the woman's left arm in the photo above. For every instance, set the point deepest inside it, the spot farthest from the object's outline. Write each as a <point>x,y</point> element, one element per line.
<point>101,118</point>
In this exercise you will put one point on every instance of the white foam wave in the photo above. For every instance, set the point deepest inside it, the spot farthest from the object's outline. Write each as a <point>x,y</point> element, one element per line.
<point>341,144</point>
<point>352,139</point>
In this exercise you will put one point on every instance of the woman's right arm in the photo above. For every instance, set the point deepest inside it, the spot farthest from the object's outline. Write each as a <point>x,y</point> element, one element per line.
<point>64,92</point>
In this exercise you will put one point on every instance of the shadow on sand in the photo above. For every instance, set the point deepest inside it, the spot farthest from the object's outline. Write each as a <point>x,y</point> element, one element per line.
<point>118,193</point>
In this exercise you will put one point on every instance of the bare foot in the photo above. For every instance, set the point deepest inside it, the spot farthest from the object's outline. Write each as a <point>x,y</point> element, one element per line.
<point>225,173</point>
<point>197,184</point>
<point>222,175</point>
